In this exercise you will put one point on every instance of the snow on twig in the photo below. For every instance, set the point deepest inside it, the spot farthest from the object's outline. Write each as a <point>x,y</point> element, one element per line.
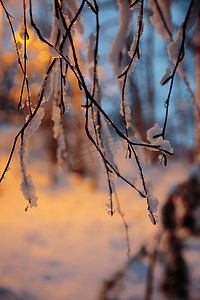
<point>118,46</point>
<point>154,137</point>
<point>176,51</point>
<point>58,133</point>
<point>27,185</point>
<point>161,18</point>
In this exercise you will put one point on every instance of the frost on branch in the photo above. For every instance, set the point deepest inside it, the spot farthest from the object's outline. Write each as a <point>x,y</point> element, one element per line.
<point>155,138</point>
<point>27,186</point>
<point>48,87</point>
<point>66,98</point>
<point>58,133</point>
<point>155,130</point>
<point>193,15</point>
<point>152,202</point>
<point>72,8</point>
<point>161,17</point>
<point>57,34</point>
<point>107,142</point>
<point>176,48</point>
<point>167,76</point>
<point>130,70</point>
<point>173,51</point>
<point>22,32</point>
<point>133,48</point>
<point>134,51</point>
<point>125,109</point>
<point>34,124</point>
<point>90,55</point>
<point>116,53</point>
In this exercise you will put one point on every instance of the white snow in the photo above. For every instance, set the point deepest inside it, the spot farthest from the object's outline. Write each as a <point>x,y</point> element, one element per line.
<point>118,46</point>
<point>158,141</point>
<point>133,47</point>
<point>57,26</point>
<point>66,99</point>
<point>72,7</point>
<point>28,189</point>
<point>175,46</point>
<point>173,51</point>
<point>27,186</point>
<point>193,15</point>
<point>22,31</point>
<point>48,86</point>
<point>156,20</point>
<point>58,132</point>
<point>107,142</point>
<point>56,117</point>
<point>169,71</point>
<point>130,70</point>
<point>155,130</point>
<point>34,123</point>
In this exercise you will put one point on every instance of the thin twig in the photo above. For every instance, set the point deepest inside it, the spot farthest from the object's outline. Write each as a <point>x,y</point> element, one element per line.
<point>125,226</point>
<point>179,59</point>
<point>25,79</point>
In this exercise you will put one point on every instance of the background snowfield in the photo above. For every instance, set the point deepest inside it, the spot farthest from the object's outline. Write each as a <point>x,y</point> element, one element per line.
<point>67,246</point>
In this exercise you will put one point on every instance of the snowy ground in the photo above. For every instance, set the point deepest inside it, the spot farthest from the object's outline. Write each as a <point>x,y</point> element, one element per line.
<point>67,246</point>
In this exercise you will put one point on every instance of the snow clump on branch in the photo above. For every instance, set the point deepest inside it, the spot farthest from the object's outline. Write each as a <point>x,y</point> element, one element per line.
<point>174,49</point>
<point>118,46</point>
<point>161,18</point>
<point>27,186</point>
<point>155,138</point>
